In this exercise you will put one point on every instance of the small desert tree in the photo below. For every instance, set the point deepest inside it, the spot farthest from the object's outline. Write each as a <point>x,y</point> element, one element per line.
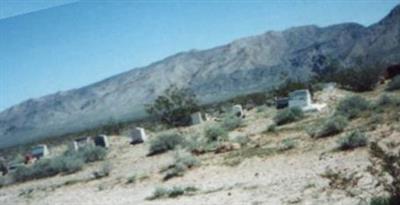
<point>174,106</point>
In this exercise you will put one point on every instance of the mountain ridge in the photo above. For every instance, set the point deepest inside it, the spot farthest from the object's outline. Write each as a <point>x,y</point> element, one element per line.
<point>249,64</point>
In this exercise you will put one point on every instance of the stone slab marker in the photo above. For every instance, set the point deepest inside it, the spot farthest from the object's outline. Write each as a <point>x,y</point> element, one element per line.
<point>102,141</point>
<point>138,135</point>
<point>40,151</point>
<point>197,118</point>
<point>300,98</point>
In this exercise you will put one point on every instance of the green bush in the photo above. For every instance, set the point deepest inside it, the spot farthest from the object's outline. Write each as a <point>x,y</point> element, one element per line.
<point>182,161</point>
<point>353,140</point>
<point>47,168</point>
<point>104,171</point>
<point>271,128</point>
<point>68,163</point>
<point>287,144</point>
<point>92,154</point>
<point>394,84</point>
<point>358,79</point>
<point>174,106</point>
<point>331,126</point>
<point>231,122</point>
<point>173,192</point>
<point>380,201</point>
<point>215,133</point>
<point>164,142</point>
<point>288,115</point>
<point>352,107</point>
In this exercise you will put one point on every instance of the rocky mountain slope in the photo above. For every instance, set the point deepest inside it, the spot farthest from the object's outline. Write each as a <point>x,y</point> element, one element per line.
<point>243,66</point>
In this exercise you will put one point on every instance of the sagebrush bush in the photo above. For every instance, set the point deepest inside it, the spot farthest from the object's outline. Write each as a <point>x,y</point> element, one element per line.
<point>288,115</point>
<point>173,192</point>
<point>69,162</point>
<point>104,171</point>
<point>166,141</point>
<point>215,133</point>
<point>394,84</point>
<point>385,166</point>
<point>287,144</point>
<point>352,107</point>
<point>92,154</point>
<point>353,140</point>
<point>47,168</point>
<point>380,201</point>
<point>231,122</point>
<point>182,161</point>
<point>334,125</point>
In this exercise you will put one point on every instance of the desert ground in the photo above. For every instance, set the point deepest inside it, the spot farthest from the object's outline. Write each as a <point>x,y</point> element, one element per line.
<point>257,172</point>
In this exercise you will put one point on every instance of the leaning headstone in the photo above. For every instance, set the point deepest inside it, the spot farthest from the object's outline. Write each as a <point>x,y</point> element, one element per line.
<point>40,151</point>
<point>101,141</point>
<point>300,98</point>
<point>138,135</point>
<point>238,110</point>
<point>197,118</point>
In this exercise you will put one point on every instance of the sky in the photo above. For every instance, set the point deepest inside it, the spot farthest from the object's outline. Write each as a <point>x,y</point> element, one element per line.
<point>48,46</point>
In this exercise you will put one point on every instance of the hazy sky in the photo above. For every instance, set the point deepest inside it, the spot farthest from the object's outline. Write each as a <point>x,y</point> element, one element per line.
<point>79,43</point>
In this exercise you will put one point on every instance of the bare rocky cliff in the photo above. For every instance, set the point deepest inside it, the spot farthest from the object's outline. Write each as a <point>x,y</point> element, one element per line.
<point>246,65</point>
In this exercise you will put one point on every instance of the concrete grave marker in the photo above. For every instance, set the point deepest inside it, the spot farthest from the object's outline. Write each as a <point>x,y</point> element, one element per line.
<point>40,151</point>
<point>102,141</point>
<point>138,135</point>
<point>302,99</point>
<point>197,118</point>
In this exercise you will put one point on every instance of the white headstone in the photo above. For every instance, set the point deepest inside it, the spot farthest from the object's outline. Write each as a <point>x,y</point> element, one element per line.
<point>300,98</point>
<point>138,135</point>
<point>237,110</point>
<point>197,118</point>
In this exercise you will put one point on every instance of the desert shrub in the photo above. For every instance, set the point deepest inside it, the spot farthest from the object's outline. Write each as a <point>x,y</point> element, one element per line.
<point>182,162</point>
<point>288,115</point>
<point>358,79</point>
<point>380,201</point>
<point>48,167</point>
<point>333,125</point>
<point>231,122</point>
<point>352,107</point>
<point>385,166</point>
<point>287,144</point>
<point>92,154</point>
<point>173,192</point>
<point>174,106</point>
<point>241,139</point>
<point>215,133</point>
<point>104,171</point>
<point>394,84</point>
<point>384,100</point>
<point>271,128</point>
<point>353,140</point>
<point>69,162</point>
<point>166,141</point>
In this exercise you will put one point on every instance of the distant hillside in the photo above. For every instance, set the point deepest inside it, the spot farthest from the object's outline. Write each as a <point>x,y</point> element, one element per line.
<point>246,65</point>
